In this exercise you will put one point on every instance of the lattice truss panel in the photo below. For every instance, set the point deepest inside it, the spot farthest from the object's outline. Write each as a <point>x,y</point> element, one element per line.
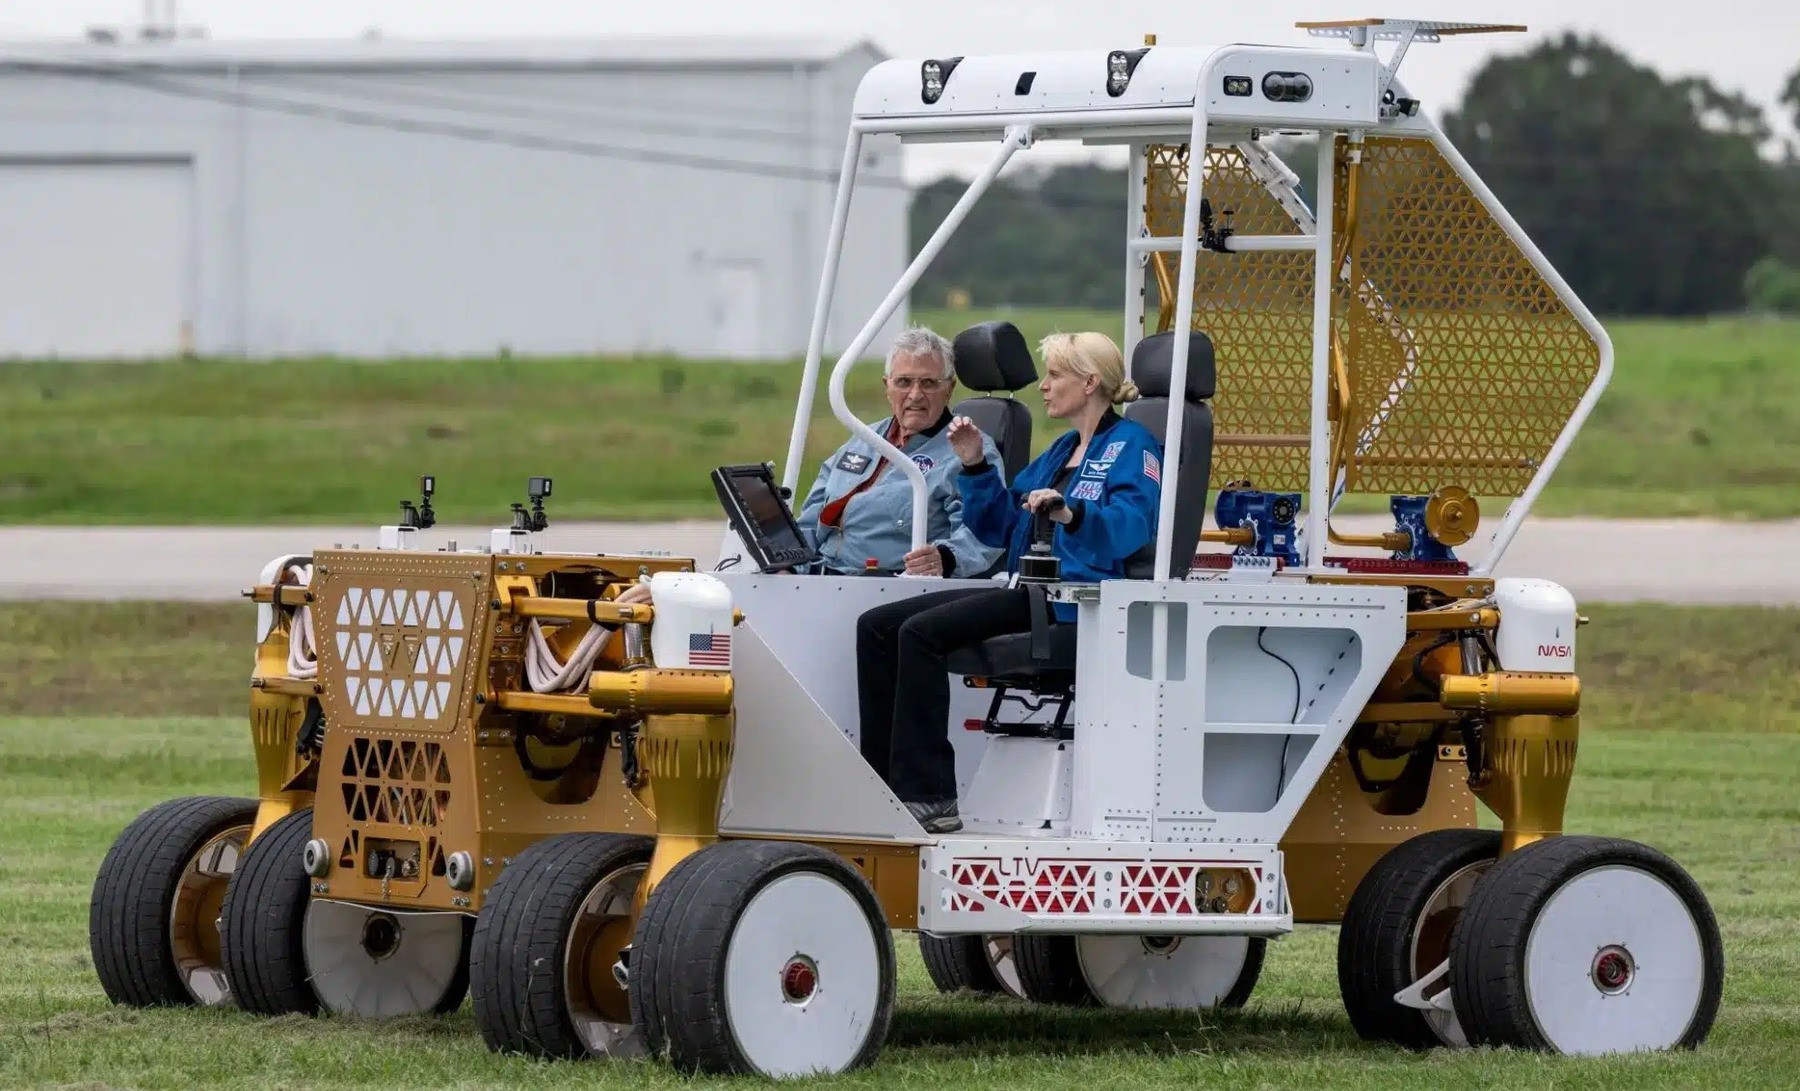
<point>1466,365</point>
<point>1062,887</point>
<point>1256,308</point>
<point>399,651</point>
<point>396,781</point>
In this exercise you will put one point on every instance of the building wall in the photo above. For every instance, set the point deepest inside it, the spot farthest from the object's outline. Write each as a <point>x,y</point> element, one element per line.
<point>524,217</point>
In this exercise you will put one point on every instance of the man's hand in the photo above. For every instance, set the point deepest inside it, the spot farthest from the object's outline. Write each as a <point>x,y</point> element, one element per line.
<point>925,561</point>
<point>1037,498</point>
<point>965,440</point>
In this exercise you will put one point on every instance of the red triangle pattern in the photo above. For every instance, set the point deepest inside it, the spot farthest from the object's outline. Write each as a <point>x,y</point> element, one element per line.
<point>1058,887</point>
<point>1157,888</point>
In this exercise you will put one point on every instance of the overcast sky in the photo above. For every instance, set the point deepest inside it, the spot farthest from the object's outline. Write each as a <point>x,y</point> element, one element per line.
<point>1744,45</point>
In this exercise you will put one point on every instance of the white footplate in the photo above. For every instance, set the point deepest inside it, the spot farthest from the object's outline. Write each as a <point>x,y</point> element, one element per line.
<point>987,886</point>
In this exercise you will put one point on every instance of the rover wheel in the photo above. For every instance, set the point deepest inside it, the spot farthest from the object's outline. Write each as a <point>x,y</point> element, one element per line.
<point>549,934</point>
<point>1587,945</point>
<point>153,915</point>
<point>1170,971</point>
<point>1049,969</point>
<point>763,957</point>
<point>374,964</point>
<point>263,922</point>
<point>1397,929</point>
<point>981,964</point>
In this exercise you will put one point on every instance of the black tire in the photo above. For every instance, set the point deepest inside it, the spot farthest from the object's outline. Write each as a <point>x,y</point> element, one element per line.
<point>1489,945</point>
<point>955,963</point>
<point>1374,955</point>
<point>1050,970</point>
<point>1248,976</point>
<point>684,938</point>
<point>264,922</point>
<point>517,970</point>
<point>129,911</point>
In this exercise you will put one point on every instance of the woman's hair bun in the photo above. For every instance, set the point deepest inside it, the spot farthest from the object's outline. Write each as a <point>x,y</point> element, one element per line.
<point>1128,392</point>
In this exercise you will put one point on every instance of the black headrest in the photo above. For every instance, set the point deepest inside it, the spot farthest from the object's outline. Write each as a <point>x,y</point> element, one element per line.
<point>994,356</point>
<point>1153,362</point>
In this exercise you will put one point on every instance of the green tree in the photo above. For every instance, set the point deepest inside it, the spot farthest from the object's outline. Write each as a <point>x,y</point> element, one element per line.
<point>1036,239</point>
<point>1649,195</point>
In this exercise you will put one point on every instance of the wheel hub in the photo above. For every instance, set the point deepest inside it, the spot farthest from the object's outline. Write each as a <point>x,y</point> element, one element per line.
<point>799,979</point>
<point>381,936</point>
<point>1161,945</point>
<point>1613,969</point>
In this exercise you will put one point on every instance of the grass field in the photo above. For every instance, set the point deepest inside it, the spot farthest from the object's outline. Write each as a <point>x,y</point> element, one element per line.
<point>1691,733</point>
<point>1702,418</point>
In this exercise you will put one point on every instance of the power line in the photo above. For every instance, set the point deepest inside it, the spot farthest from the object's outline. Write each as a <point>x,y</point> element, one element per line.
<point>419,126</point>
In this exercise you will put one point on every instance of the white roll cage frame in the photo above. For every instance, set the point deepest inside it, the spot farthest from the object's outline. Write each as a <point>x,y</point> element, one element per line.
<point>1137,127</point>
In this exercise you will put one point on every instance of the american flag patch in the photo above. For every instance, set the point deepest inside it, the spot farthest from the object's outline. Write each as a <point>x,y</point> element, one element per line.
<point>1152,468</point>
<point>709,649</point>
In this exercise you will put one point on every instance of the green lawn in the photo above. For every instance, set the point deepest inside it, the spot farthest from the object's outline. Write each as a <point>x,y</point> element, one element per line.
<point>1702,418</point>
<point>1691,732</point>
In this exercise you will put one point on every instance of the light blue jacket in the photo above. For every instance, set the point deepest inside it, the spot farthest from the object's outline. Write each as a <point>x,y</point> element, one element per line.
<point>878,521</point>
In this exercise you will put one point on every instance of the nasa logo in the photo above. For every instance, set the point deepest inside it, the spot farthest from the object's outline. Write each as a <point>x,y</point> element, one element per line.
<point>1555,651</point>
<point>923,462</point>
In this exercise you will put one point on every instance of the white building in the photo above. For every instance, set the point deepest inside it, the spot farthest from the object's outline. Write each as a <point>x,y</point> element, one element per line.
<point>383,198</point>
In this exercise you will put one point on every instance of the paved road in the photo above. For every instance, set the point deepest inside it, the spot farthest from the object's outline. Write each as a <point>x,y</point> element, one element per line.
<point>1599,560</point>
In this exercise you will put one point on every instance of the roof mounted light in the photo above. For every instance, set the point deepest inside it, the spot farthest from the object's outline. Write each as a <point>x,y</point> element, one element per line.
<point>933,75</point>
<point>1120,66</point>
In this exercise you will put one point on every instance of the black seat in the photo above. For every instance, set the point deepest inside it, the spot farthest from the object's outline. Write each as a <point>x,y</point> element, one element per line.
<point>993,357</point>
<point>1006,662</point>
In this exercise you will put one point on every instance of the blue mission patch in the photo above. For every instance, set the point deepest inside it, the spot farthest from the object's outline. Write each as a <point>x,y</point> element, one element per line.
<point>1085,490</point>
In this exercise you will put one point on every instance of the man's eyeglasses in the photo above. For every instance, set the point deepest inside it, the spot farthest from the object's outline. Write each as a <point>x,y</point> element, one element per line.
<point>923,386</point>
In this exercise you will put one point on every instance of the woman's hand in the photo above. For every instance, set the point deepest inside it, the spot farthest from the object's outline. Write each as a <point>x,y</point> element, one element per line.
<point>1038,498</point>
<point>965,440</point>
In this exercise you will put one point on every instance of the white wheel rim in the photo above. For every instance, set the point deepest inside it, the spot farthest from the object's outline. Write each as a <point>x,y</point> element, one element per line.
<point>1614,963</point>
<point>999,952</point>
<point>374,964</point>
<point>1162,971</point>
<point>1451,896</point>
<point>194,912</point>
<point>589,990</point>
<point>803,978</point>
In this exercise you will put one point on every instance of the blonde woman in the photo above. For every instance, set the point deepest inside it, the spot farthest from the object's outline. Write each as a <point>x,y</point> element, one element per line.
<point>1106,470</point>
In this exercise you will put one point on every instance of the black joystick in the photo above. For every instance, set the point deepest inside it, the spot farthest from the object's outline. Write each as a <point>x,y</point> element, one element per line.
<point>1040,565</point>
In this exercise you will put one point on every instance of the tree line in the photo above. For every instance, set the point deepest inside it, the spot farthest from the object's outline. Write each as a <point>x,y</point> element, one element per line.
<point>1650,195</point>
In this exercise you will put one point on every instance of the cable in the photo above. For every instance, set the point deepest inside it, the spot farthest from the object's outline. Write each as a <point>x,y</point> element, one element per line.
<point>1288,739</point>
<point>303,650</point>
<point>486,134</point>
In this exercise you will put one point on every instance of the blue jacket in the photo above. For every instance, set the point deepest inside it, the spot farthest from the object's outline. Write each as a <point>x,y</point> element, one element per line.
<point>1112,496</point>
<point>878,522</point>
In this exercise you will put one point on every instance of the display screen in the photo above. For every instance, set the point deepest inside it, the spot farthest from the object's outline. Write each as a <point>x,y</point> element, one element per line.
<point>770,522</point>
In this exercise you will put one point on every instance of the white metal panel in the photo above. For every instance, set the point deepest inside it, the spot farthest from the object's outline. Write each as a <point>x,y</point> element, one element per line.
<point>791,771</point>
<point>1141,760</point>
<point>809,624</point>
<point>96,258</point>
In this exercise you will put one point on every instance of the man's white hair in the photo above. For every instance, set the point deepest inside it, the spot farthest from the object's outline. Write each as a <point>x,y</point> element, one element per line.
<point>919,341</point>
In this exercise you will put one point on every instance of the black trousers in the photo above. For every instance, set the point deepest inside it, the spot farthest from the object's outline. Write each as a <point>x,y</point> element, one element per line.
<point>904,685</point>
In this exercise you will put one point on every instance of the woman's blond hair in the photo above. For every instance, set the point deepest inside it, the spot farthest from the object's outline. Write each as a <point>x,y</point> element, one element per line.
<point>1093,354</point>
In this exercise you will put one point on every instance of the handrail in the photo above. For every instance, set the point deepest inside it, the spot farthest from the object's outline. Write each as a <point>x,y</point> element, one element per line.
<point>1017,137</point>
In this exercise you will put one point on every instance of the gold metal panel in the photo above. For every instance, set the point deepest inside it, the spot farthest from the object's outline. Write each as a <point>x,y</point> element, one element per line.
<point>1466,365</point>
<point>1257,309</point>
<point>1337,836</point>
<point>399,636</point>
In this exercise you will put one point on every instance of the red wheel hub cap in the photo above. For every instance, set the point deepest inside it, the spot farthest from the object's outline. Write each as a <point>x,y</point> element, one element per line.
<point>799,979</point>
<point>1612,969</point>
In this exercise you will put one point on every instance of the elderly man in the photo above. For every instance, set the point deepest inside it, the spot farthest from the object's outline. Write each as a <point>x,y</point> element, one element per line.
<point>861,508</point>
